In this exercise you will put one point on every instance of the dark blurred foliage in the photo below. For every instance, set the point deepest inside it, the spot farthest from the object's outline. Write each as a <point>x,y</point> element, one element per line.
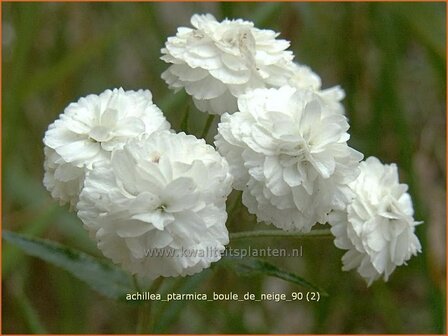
<point>390,59</point>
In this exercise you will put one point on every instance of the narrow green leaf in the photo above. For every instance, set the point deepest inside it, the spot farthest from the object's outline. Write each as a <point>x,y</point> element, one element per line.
<point>102,277</point>
<point>248,267</point>
<point>29,313</point>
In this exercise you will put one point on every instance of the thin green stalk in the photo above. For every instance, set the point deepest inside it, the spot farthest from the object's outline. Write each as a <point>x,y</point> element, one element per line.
<point>141,313</point>
<point>323,233</point>
<point>29,313</point>
<point>235,205</point>
<point>145,320</point>
<point>208,123</point>
<point>153,289</point>
<point>184,122</point>
<point>142,321</point>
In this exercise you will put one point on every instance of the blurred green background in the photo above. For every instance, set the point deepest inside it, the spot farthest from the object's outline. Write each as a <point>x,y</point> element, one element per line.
<point>389,57</point>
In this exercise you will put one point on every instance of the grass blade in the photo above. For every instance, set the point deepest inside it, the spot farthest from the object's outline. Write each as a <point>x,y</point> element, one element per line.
<point>102,277</point>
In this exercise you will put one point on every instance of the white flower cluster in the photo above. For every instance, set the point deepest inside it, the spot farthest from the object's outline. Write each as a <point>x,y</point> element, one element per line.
<point>88,131</point>
<point>217,62</point>
<point>139,187</point>
<point>136,185</point>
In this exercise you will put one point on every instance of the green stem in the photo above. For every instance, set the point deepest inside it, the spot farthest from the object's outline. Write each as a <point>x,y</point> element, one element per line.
<point>208,123</point>
<point>141,319</point>
<point>235,205</point>
<point>184,122</point>
<point>145,319</point>
<point>323,233</point>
